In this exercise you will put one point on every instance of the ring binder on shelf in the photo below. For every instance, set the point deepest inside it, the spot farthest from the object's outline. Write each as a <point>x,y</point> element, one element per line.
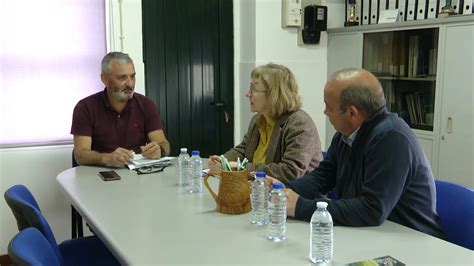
<point>410,10</point>
<point>384,4</point>
<point>392,4</point>
<point>421,9</point>
<point>365,12</point>
<point>402,10</point>
<point>374,11</point>
<point>455,5</point>
<point>431,11</point>
<point>358,11</point>
<point>467,7</point>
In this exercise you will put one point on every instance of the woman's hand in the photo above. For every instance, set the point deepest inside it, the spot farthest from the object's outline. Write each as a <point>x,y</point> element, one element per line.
<point>214,164</point>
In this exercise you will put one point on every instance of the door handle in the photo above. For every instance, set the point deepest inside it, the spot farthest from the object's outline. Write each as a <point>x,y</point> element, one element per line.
<point>217,104</point>
<point>449,125</point>
<point>226,117</point>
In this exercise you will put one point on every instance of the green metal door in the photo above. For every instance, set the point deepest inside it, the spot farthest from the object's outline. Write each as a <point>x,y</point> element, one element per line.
<point>188,56</point>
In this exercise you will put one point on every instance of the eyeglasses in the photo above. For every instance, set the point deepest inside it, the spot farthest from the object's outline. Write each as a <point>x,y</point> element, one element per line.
<point>150,169</point>
<point>253,90</point>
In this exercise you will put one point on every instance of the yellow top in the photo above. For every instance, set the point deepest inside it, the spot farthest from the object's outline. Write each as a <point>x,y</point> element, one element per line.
<point>265,128</point>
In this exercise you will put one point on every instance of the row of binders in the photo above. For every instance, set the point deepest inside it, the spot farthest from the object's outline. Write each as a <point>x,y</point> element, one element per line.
<point>368,11</point>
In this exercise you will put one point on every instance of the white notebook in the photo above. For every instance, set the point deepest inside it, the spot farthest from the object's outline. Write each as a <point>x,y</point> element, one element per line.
<point>140,161</point>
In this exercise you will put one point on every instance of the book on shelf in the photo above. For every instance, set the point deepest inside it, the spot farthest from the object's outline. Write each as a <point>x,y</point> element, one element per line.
<point>389,96</point>
<point>419,108</point>
<point>386,49</point>
<point>369,57</point>
<point>411,109</point>
<point>416,107</point>
<point>402,56</point>
<point>433,54</point>
<point>411,54</point>
<point>421,60</point>
<point>414,55</point>
<point>423,63</point>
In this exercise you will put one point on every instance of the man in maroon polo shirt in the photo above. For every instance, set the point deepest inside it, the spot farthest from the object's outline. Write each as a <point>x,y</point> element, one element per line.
<point>110,125</point>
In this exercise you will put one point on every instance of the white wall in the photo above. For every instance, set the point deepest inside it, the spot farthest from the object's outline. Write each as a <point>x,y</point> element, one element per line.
<point>132,34</point>
<point>36,168</point>
<point>259,39</point>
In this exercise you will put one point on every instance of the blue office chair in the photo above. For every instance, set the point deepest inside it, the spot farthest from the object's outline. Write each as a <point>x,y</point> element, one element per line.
<point>455,207</point>
<point>29,247</point>
<point>325,155</point>
<point>79,251</point>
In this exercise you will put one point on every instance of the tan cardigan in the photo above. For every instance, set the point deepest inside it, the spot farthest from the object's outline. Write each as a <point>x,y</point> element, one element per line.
<point>293,150</point>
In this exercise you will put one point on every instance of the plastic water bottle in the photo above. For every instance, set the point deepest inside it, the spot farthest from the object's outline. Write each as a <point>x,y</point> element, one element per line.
<point>277,214</point>
<point>321,238</point>
<point>183,168</point>
<point>259,200</point>
<point>195,176</point>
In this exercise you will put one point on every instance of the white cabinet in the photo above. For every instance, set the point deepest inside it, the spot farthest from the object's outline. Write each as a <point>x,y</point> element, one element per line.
<point>456,146</point>
<point>426,69</point>
<point>344,50</point>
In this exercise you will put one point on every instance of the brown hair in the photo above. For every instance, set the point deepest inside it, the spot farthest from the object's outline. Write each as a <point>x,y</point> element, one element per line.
<point>282,89</point>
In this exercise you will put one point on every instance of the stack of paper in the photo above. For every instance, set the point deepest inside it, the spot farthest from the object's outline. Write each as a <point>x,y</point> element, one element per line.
<point>140,161</point>
<point>385,260</point>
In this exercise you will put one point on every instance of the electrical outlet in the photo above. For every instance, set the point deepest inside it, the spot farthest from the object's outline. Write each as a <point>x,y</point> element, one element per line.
<point>290,13</point>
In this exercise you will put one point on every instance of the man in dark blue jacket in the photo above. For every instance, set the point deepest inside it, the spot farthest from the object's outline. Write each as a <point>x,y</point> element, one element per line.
<point>375,162</point>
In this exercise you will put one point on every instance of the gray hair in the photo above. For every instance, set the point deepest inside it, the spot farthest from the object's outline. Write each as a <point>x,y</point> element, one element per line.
<point>363,93</point>
<point>117,56</point>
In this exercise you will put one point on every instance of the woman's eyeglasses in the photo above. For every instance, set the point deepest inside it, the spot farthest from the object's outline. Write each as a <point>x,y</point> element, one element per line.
<point>149,169</point>
<point>253,90</point>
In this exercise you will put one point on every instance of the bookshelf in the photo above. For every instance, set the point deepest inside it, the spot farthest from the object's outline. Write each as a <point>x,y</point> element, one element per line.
<point>426,69</point>
<point>405,63</point>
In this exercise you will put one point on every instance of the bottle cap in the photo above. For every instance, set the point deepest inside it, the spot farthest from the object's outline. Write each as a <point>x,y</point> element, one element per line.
<point>260,174</point>
<point>184,149</point>
<point>195,152</point>
<point>322,204</point>
<point>278,186</point>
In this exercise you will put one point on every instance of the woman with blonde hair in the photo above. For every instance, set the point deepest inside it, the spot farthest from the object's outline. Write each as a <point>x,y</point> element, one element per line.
<point>282,139</point>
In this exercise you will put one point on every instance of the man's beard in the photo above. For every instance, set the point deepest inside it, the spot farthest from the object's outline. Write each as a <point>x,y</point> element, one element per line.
<point>122,96</point>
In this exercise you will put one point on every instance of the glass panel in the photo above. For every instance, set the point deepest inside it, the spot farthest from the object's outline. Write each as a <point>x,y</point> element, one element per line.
<point>405,64</point>
<point>50,54</point>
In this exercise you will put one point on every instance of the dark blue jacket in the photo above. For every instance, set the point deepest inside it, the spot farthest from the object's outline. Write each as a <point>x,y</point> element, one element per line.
<point>385,175</point>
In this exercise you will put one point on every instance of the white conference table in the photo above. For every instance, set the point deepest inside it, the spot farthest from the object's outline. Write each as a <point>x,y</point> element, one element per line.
<point>148,219</point>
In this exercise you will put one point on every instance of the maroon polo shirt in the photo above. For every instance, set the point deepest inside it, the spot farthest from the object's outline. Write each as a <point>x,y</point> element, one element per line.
<point>94,117</point>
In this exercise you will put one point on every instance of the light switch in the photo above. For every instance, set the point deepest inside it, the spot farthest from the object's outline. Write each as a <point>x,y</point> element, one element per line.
<point>290,13</point>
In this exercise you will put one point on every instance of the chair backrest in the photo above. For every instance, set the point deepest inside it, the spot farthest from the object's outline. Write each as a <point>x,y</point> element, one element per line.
<point>455,207</point>
<point>74,162</point>
<point>30,247</point>
<point>325,155</point>
<point>27,214</point>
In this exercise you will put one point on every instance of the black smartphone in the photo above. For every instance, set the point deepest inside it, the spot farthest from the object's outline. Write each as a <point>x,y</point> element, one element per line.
<point>109,175</point>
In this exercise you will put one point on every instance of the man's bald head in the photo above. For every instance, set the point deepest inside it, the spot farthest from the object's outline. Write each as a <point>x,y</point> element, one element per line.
<point>359,88</point>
